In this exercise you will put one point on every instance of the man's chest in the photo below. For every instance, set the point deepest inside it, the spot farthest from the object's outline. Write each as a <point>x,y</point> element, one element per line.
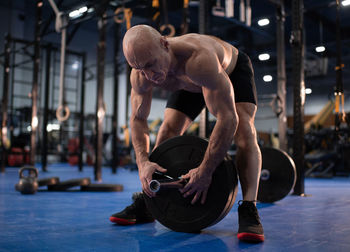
<point>173,83</point>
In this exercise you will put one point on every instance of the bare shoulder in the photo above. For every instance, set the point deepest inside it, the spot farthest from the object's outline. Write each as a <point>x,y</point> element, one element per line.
<point>139,83</point>
<point>203,66</point>
<point>206,40</point>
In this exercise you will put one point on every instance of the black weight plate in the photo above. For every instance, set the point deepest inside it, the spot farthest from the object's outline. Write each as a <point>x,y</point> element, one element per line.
<point>278,175</point>
<point>65,185</point>
<point>102,188</point>
<point>48,181</point>
<point>178,155</point>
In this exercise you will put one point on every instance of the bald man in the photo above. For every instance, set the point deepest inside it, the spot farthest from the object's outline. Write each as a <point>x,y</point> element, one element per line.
<point>200,71</point>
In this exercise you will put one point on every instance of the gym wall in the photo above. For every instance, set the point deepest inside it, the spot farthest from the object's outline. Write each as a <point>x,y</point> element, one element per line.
<point>22,26</point>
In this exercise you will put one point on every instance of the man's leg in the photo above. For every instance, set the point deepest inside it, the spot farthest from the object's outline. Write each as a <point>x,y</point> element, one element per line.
<point>248,158</point>
<point>248,162</point>
<point>175,123</point>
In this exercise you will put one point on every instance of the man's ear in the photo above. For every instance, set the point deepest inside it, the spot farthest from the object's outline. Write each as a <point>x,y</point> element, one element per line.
<point>164,43</point>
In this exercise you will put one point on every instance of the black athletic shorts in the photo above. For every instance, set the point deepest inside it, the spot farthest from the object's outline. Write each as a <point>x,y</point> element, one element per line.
<point>242,79</point>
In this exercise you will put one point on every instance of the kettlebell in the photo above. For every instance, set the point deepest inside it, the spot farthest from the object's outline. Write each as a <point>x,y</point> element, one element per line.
<point>28,184</point>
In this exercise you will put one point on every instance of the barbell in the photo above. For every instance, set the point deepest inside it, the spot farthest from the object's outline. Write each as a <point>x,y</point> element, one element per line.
<point>179,155</point>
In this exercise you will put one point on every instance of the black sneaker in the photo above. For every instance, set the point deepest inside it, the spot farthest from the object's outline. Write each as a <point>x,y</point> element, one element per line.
<point>250,228</point>
<point>137,212</point>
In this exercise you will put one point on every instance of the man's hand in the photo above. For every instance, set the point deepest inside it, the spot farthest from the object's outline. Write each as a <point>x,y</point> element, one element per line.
<point>198,183</point>
<point>146,176</point>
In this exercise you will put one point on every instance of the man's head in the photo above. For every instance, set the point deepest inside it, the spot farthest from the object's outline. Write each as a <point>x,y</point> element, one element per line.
<point>146,50</point>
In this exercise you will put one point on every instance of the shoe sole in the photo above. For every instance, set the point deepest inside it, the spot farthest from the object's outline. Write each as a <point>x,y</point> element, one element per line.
<point>249,237</point>
<point>123,222</point>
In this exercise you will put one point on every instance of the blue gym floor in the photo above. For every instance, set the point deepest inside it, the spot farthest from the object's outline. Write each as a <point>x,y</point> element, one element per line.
<point>79,221</point>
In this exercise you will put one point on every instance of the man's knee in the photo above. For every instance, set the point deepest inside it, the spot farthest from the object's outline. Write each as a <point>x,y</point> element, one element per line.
<point>245,135</point>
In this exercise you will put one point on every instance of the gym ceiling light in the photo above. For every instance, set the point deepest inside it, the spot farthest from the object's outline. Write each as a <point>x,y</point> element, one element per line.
<point>264,56</point>
<point>320,49</point>
<point>267,78</point>
<point>78,12</point>
<point>263,22</point>
<point>345,2</point>
<point>308,90</point>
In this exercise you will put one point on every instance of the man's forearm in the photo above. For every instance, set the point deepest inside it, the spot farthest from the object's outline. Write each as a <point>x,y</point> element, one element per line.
<point>219,142</point>
<point>140,140</point>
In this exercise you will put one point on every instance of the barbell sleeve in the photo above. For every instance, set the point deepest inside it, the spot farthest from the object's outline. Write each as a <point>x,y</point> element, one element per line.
<point>169,183</point>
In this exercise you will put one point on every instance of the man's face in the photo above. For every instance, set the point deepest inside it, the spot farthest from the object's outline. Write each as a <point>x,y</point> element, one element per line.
<point>152,61</point>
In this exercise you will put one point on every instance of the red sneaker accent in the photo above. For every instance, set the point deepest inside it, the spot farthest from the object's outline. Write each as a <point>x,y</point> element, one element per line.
<point>123,222</point>
<point>249,237</point>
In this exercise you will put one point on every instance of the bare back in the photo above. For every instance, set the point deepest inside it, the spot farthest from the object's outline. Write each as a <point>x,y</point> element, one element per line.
<point>226,53</point>
<point>185,49</point>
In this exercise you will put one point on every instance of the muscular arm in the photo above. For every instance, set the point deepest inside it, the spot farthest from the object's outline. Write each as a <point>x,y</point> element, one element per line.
<point>219,97</point>
<point>206,71</point>
<point>140,104</point>
<point>141,98</point>
<point>222,135</point>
